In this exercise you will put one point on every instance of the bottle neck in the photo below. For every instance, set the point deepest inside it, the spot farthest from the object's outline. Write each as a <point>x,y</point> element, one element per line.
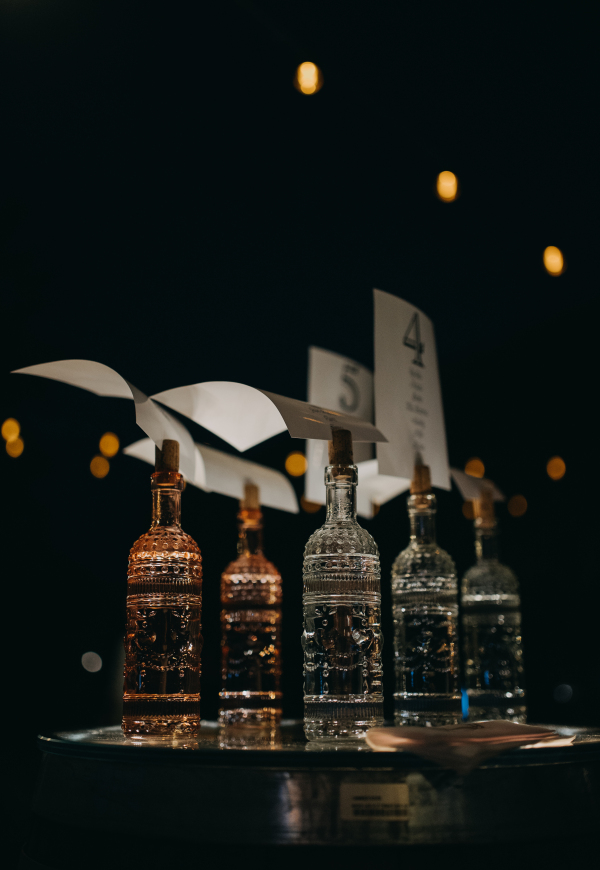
<point>340,486</point>
<point>421,513</point>
<point>486,544</point>
<point>250,542</point>
<point>166,498</point>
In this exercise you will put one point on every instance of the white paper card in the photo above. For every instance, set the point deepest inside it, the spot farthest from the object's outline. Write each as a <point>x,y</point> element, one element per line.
<point>227,475</point>
<point>104,381</point>
<point>375,489</point>
<point>471,487</point>
<point>408,398</point>
<point>344,385</point>
<point>240,415</point>
<point>244,416</point>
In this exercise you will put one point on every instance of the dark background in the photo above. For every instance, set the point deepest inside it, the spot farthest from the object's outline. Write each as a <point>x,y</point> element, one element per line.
<point>172,207</point>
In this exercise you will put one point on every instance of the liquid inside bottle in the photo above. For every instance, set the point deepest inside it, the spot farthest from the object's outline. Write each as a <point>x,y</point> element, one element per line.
<point>163,638</point>
<point>342,638</point>
<point>491,629</point>
<point>251,627</point>
<point>425,610</point>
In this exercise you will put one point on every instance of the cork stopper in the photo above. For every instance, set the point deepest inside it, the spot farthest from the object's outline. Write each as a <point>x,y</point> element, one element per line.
<point>167,459</point>
<point>483,509</point>
<point>421,482</point>
<point>340,447</point>
<point>251,500</point>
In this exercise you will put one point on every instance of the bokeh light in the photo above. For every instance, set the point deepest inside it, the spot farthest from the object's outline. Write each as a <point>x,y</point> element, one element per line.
<point>563,693</point>
<point>99,466</point>
<point>308,78</point>
<point>517,505</point>
<point>475,467</point>
<point>311,507</point>
<point>296,464</point>
<point>109,444</point>
<point>15,448</point>
<point>554,262</point>
<point>92,662</point>
<point>556,468</point>
<point>447,186</point>
<point>468,510</point>
<point>11,429</point>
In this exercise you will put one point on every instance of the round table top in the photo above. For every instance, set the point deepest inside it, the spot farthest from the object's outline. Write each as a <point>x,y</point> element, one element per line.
<point>285,747</point>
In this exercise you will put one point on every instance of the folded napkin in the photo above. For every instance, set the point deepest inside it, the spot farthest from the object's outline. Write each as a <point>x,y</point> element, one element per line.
<point>460,747</point>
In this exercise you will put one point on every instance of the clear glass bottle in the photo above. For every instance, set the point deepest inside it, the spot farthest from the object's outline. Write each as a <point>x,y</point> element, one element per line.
<point>342,639</point>
<point>425,609</point>
<point>251,626</point>
<point>163,638</point>
<point>491,627</point>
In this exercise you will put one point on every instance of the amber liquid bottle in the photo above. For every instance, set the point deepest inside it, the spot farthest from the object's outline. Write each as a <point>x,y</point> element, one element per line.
<point>163,639</point>
<point>251,627</point>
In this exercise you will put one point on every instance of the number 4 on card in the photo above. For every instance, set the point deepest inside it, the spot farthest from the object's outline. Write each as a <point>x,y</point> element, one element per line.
<point>414,341</point>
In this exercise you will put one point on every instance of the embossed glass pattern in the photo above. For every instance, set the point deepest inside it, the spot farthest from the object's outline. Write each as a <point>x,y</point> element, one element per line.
<point>251,631</point>
<point>491,635</point>
<point>425,608</point>
<point>163,638</point>
<point>342,639</point>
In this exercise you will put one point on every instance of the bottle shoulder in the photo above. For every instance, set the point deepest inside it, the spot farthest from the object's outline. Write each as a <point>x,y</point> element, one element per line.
<point>163,541</point>
<point>251,563</point>
<point>423,559</point>
<point>489,575</point>
<point>334,539</point>
<point>250,581</point>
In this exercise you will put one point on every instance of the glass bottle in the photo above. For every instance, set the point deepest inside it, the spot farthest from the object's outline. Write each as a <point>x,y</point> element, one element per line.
<point>251,626</point>
<point>163,638</point>
<point>491,627</point>
<point>342,639</point>
<point>425,609</point>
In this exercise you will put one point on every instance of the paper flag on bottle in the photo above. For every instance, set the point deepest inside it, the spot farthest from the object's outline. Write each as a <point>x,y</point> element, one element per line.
<point>227,475</point>
<point>244,416</point>
<point>346,386</point>
<point>471,487</point>
<point>97,378</point>
<point>408,397</point>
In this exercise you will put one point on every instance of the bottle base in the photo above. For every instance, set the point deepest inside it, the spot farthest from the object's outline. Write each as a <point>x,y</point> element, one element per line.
<point>427,710</point>
<point>156,728</point>
<point>346,718</point>
<point>249,708</point>
<point>161,716</point>
<point>496,705</point>
<point>245,716</point>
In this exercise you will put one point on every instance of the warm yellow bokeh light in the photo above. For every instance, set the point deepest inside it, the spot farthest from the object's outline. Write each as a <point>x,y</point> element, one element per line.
<point>109,444</point>
<point>11,429</point>
<point>468,510</point>
<point>311,507</point>
<point>296,464</point>
<point>308,78</point>
<point>99,466</point>
<point>517,505</point>
<point>554,262</point>
<point>447,186</point>
<point>15,447</point>
<point>556,468</point>
<point>475,467</point>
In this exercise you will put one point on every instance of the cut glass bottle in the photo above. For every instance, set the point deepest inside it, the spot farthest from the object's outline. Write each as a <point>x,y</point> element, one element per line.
<point>251,626</point>
<point>163,638</point>
<point>491,627</point>
<point>425,609</point>
<point>342,639</point>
